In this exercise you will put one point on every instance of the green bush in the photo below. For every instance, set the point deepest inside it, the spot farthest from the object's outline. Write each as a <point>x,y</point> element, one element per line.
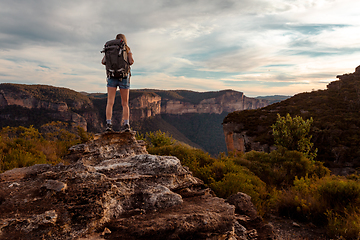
<point>308,192</point>
<point>159,139</point>
<point>17,158</point>
<point>280,167</point>
<point>189,156</point>
<point>293,134</point>
<point>339,193</point>
<point>331,201</point>
<point>302,202</point>
<point>242,181</point>
<point>345,225</point>
<point>21,146</point>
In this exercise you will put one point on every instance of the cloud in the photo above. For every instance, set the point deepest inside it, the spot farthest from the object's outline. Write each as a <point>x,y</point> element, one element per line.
<point>272,46</point>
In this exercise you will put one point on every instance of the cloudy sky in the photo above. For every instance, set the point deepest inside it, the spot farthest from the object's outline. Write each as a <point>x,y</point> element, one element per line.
<point>259,47</point>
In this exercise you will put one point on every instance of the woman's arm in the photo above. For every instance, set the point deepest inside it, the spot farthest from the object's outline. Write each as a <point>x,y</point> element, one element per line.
<point>130,58</point>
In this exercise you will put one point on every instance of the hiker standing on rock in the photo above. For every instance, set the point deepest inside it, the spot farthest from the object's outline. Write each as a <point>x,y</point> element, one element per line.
<point>117,59</point>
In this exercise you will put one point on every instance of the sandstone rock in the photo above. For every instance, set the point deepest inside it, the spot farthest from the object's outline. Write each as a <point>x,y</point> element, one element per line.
<point>111,189</point>
<point>240,231</point>
<point>145,106</point>
<point>296,224</point>
<point>247,217</point>
<point>237,139</point>
<point>55,185</point>
<point>243,205</point>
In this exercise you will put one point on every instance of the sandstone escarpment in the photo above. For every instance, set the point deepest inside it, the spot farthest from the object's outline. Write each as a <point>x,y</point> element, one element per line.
<point>27,103</point>
<point>113,189</point>
<point>238,140</point>
<point>26,100</point>
<point>145,106</point>
<point>229,101</point>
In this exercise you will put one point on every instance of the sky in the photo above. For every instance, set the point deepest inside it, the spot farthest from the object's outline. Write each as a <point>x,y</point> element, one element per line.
<point>258,47</point>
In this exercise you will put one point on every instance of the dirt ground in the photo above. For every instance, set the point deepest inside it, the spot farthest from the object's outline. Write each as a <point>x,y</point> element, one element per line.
<point>287,229</point>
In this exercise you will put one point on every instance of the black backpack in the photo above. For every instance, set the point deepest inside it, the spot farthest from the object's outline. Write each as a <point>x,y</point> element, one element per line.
<point>116,58</point>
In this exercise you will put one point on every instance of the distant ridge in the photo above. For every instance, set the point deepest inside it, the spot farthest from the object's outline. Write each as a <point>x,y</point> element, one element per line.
<point>274,98</point>
<point>187,95</point>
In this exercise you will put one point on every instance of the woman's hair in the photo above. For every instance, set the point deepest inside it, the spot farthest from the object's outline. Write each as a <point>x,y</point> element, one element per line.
<point>122,36</point>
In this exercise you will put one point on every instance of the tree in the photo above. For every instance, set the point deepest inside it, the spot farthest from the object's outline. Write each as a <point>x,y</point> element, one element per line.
<point>293,134</point>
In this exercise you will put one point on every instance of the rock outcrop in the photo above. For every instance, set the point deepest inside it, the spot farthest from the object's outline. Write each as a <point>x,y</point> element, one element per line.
<point>113,189</point>
<point>237,139</point>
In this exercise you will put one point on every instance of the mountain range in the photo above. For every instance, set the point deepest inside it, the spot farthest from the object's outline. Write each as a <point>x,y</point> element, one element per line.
<point>191,117</point>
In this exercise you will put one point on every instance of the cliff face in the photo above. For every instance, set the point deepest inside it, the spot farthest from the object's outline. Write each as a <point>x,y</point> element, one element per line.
<point>335,130</point>
<point>237,140</point>
<point>45,102</point>
<point>26,100</point>
<point>229,101</point>
<point>145,106</point>
<point>113,189</point>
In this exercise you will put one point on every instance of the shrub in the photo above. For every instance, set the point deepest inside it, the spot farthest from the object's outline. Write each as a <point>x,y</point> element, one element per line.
<point>339,193</point>
<point>17,158</point>
<point>302,201</point>
<point>21,146</point>
<point>84,135</point>
<point>242,181</point>
<point>159,139</point>
<point>280,167</point>
<point>344,226</point>
<point>293,134</point>
<point>331,201</point>
<point>189,156</point>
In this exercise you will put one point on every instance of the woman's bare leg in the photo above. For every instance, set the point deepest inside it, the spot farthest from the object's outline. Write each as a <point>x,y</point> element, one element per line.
<point>125,103</point>
<point>110,102</point>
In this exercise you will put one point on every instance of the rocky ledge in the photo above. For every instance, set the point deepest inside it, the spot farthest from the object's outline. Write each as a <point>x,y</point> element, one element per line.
<point>113,189</point>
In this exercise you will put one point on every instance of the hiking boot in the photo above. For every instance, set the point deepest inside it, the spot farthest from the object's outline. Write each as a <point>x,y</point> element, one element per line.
<point>126,128</point>
<point>108,127</point>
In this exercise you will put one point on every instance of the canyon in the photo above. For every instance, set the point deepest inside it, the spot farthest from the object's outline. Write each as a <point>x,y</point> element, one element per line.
<point>151,110</point>
<point>73,107</point>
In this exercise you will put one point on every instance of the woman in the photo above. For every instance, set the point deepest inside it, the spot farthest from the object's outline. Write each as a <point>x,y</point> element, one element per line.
<point>124,86</point>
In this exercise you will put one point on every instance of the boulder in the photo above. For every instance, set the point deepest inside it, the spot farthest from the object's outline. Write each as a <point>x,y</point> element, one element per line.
<point>249,225</point>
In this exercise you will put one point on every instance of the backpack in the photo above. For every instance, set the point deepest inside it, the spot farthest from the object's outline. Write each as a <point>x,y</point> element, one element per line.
<point>116,58</point>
